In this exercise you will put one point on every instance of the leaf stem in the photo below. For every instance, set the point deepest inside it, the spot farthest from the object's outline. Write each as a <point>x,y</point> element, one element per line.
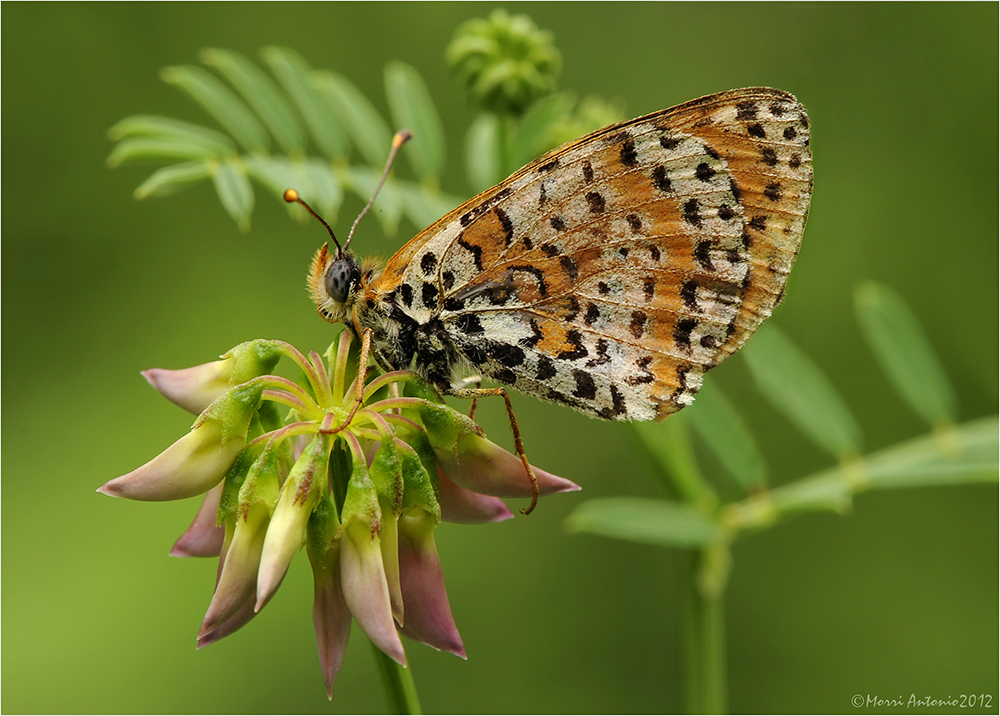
<point>400,691</point>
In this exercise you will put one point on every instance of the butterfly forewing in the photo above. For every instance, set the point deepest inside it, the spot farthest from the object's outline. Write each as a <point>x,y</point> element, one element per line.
<point>611,273</point>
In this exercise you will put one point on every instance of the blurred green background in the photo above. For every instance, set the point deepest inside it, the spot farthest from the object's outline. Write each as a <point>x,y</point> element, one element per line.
<point>898,598</point>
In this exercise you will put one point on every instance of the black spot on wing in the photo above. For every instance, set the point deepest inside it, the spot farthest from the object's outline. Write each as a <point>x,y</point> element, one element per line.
<point>506,224</point>
<point>477,251</point>
<point>602,356</point>
<point>682,331</point>
<point>578,350</point>
<point>702,253</point>
<point>480,209</point>
<point>596,202</point>
<point>645,374</point>
<point>546,368</point>
<point>535,337</point>
<point>429,294</point>
<point>627,153</point>
<point>586,388</point>
<point>406,294</point>
<point>660,179</point>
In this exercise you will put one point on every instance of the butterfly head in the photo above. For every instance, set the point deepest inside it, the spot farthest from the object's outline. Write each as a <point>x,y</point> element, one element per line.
<point>334,283</point>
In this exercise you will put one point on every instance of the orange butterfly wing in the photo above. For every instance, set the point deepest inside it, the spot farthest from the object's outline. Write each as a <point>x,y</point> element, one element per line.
<point>612,272</point>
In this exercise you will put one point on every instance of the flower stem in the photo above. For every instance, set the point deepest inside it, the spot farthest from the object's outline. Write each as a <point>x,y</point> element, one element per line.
<point>705,644</point>
<point>400,691</point>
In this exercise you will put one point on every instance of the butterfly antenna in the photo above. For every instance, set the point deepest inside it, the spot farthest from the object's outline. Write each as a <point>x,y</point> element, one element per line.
<point>292,196</point>
<point>401,138</point>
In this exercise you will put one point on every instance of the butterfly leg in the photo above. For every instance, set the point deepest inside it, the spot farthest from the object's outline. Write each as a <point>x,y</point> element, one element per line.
<point>366,342</point>
<point>475,394</point>
<point>472,407</point>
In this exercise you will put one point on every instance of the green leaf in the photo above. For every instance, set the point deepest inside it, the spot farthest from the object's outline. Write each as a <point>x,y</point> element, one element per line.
<point>536,125</point>
<point>173,178</point>
<point>261,94</point>
<point>964,454</point>
<point>669,445</point>
<point>906,356</point>
<point>221,103</point>
<point>293,74</point>
<point>727,436</point>
<point>483,160</point>
<point>143,149</point>
<point>235,192</point>
<point>424,207</point>
<point>364,124</point>
<point>636,519</point>
<point>277,174</point>
<point>796,387</point>
<point>172,129</point>
<point>413,109</point>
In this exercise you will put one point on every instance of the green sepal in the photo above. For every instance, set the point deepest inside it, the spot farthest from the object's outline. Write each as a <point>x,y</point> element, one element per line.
<point>386,473</point>
<point>322,532</point>
<point>262,482</point>
<point>361,501</point>
<point>445,426</point>
<point>419,466</point>
<point>229,501</point>
<point>234,410</point>
<point>418,388</point>
<point>253,358</point>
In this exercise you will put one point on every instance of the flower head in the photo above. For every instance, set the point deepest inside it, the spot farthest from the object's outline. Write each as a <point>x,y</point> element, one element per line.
<point>362,483</point>
<point>505,62</point>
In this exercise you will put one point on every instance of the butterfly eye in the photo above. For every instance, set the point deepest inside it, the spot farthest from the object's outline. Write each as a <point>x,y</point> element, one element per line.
<point>340,277</point>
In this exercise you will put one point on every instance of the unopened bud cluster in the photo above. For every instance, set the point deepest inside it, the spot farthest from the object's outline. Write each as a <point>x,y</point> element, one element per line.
<point>362,485</point>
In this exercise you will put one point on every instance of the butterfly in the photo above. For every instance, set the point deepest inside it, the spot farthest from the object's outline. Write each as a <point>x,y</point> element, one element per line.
<point>607,275</point>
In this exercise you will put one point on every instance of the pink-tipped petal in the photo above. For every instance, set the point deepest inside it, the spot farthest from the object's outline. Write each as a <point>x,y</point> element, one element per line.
<point>299,496</point>
<point>428,611</point>
<point>203,538</point>
<point>191,466</point>
<point>236,622</point>
<point>331,617</point>
<point>195,388</point>
<point>366,590</point>
<point>467,507</point>
<point>237,582</point>
<point>485,467</point>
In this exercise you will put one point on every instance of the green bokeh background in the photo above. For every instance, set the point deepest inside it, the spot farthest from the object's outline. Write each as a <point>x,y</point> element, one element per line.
<point>898,598</point>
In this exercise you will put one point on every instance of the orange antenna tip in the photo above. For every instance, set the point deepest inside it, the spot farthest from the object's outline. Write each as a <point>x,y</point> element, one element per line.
<point>291,196</point>
<point>401,137</point>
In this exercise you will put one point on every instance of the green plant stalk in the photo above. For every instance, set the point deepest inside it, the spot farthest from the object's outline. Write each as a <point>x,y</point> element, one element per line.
<point>400,691</point>
<point>704,651</point>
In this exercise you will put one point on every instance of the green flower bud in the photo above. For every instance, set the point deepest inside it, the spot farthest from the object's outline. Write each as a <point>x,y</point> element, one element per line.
<point>505,62</point>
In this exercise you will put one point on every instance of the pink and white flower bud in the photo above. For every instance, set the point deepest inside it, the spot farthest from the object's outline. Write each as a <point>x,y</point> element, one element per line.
<point>483,466</point>
<point>193,389</point>
<point>466,507</point>
<point>366,590</point>
<point>428,612</point>
<point>331,617</point>
<point>236,622</point>
<point>191,466</point>
<point>300,494</point>
<point>239,571</point>
<point>204,537</point>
